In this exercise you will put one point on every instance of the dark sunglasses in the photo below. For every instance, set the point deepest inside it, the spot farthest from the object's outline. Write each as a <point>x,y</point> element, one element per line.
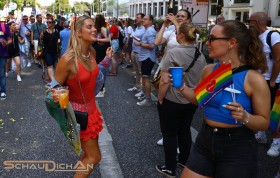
<point>24,19</point>
<point>49,22</point>
<point>211,39</point>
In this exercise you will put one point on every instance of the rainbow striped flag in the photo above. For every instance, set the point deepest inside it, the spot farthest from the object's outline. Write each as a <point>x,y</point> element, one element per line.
<point>275,113</point>
<point>213,84</point>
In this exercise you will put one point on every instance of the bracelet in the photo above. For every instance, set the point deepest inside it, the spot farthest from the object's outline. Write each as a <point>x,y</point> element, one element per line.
<point>247,120</point>
<point>182,89</point>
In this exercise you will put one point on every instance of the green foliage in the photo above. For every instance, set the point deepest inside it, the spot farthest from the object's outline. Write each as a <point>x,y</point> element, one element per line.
<point>59,7</point>
<point>203,34</point>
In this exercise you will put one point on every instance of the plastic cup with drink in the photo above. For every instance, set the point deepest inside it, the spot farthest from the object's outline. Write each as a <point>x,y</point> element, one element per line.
<point>177,76</point>
<point>63,96</point>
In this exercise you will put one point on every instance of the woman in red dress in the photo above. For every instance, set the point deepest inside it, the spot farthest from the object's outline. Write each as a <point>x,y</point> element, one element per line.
<point>79,64</point>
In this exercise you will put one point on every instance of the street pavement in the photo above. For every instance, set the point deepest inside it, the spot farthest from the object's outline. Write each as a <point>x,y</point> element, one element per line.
<point>127,143</point>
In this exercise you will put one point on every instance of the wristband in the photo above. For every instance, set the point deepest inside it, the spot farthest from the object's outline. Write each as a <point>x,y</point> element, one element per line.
<point>182,88</point>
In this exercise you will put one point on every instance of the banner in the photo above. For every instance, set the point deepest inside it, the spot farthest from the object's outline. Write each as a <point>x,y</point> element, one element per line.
<point>199,11</point>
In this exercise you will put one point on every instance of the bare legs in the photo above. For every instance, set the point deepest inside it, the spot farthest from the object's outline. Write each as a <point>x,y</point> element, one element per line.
<point>91,156</point>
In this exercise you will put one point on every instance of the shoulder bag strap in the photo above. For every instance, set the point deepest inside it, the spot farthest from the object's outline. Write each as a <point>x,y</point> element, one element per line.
<point>196,55</point>
<point>80,84</point>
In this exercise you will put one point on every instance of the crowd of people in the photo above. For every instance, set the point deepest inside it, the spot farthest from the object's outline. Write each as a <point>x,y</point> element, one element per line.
<point>72,52</point>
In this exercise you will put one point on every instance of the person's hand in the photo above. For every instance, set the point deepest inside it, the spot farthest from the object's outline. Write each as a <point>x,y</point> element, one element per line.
<point>109,52</point>
<point>272,84</point>
<point>32,42</point>
<point>171,17</point>
<point>166,22</point>
<point>237,111</point>
<point>55,95</point>
<point>166,78</point>
<point>4,43</point>
<point>41,35</point>
<point>137,43</point>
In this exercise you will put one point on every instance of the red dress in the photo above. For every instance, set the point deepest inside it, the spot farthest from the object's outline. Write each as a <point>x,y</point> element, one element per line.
<point>88,81</point>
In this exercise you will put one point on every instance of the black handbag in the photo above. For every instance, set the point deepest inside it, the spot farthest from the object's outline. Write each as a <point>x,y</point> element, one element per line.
<point>81,117</point>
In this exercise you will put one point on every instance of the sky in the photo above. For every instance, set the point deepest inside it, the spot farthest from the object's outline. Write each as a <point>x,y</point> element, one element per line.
<point>49,2</point>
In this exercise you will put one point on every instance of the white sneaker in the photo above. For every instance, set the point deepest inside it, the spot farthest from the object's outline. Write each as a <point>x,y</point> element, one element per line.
<point>29,64</point>
<point>100,94</point>
<point>3,96</point>
<point>261,138</point>
<point>160,142</point>
<point>19,78</point>
<point>145,102</point>
<point>141,97</point>
<point>274,149</point>
<point>132,89</point>
<point>140,94</point>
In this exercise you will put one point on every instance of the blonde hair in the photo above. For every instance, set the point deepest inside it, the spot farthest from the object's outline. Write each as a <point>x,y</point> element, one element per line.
<point>74,48</point>
<point>189,30</point>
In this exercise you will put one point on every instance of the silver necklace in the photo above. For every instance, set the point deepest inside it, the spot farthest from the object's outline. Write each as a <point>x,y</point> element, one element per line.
<point>88,56</point>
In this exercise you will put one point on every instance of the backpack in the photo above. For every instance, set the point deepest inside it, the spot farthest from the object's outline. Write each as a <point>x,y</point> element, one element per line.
<point>121,37</point>
<point>268,41</point>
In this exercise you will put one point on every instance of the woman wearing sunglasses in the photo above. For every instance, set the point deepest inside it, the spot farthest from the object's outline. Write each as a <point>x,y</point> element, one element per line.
<point>50,43</point>
<point>226,146</point>
<point>78,70</point>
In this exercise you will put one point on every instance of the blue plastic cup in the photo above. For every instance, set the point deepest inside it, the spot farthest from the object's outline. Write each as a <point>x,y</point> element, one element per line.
<point>177,76</point>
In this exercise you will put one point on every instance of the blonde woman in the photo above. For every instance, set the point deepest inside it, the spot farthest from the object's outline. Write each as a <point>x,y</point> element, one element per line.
<point>78,65</point>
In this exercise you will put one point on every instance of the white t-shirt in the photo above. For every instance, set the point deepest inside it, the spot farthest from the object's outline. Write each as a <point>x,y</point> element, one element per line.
<point>129,30</point>
<point>170,37</point>
<point>275,38</point>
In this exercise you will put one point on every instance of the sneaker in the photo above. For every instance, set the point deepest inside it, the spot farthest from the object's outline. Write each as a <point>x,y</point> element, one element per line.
<point>29,64</point>
<point>160,142</point>
<point>7,74</point>
<point>260,138</point>
<point>141,97</point>
<point>132,89</point>
<point>145,102</point>
<point>274,149</point>
<point>19,78</point>
<point>180,165</point>
<point>3,96</point>
<point>140,94</point>
<point>100,94</point>
<point>165,171</point>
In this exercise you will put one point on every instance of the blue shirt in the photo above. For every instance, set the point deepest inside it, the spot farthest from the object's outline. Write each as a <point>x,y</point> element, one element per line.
<point>139,32</point>
<point>216,112</point>
<point>37,28</point>
<point>148,38</point>
<point>23,30</point>
<point>4,36</point>
<point>64,37</point>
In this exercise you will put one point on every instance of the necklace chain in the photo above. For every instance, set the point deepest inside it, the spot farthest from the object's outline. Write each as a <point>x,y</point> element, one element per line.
<point>87,58</point>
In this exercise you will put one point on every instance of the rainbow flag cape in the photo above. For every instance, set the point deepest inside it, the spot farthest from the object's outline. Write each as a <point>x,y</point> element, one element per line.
<point>213,84</point>
<point>275,113</point>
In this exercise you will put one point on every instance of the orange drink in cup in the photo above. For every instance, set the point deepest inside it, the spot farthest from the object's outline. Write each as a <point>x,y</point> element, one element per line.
<point>63,93</point>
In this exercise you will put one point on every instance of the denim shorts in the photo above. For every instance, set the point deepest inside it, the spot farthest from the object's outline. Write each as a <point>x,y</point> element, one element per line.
<point>115,45</point>
<point>147,67</point>
<point>225,153</point>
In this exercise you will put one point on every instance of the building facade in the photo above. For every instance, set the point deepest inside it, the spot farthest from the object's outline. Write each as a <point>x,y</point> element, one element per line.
<point>229,8</point>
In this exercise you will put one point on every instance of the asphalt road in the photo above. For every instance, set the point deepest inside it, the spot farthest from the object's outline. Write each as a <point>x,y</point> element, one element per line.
<point>129,147</point>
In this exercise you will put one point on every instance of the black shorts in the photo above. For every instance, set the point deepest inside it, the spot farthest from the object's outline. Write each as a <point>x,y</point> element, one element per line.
<point>129,46</point>
<point>51,59</point>
<point>147,67</point>
<point>225,153</point>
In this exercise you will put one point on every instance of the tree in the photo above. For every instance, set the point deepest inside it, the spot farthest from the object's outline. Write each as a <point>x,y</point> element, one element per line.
<point>59,7</point>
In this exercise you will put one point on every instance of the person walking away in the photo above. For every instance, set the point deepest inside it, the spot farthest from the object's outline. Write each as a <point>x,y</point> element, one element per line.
<point>64,36</point>
<point>128,42</point>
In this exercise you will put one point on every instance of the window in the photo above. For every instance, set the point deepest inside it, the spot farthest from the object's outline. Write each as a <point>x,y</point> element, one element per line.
<point>155,9</point>
<point>279,9</point>
<point>241,1</point>
<point>213,6</point>
<point>161,8</point>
